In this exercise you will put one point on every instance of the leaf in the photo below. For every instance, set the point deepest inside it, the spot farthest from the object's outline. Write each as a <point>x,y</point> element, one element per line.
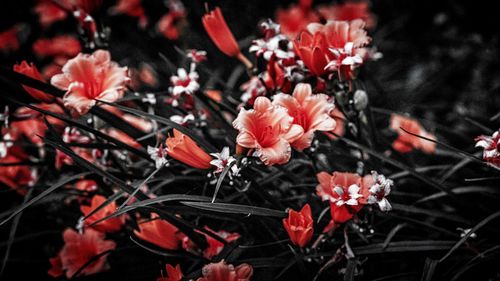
<point>461,190</point>
<point>236,209</point>
<point>432,213</point>
<point>429,269</point>
<point>201,142</point>
<point>403,246</point>
<point>221,179</point>
<point>46,192</point>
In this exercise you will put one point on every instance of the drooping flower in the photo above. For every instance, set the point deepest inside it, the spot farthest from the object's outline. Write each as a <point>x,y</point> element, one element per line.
<point>344,191</point>
<point>294,19</point>
<point>269,130</point>
<point>226,272</point>
<point>113,224</point>
<point>87,78</point>
<point>334,46</point>
<point>490,145</point>
<point>299,226</point>
<point>173,273</point>
<point>29,69</point>
<point>221,35</point>
<point>79,249</point>
<point>311,112</point>
<point>185,150</point>
<point>62,45</point>
<point>160,233</point>
<point>214,246</point>
<point>407,142</point>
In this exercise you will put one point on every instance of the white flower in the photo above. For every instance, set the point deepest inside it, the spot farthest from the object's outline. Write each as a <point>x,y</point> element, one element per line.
<point>223,159</point>
<point>182,120</point>
<point>379,190</point>
<point>184,82</point>
<point>351,198</point>
<point>5,144</point>
<point>159,155</point>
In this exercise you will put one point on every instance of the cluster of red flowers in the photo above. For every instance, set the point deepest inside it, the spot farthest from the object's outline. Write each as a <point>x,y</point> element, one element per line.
<point>302,94</point>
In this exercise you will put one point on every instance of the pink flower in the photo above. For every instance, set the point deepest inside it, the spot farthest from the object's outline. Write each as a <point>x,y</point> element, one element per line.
<point>407,142</point>
<point>299,226</point>
<point>160,233</point>
<point>185,150</point>
<point>269,130</point>
<point>490,145</point>
<point>78,250</point>
<point>89,77</point>
<point>311,112</point>
<point>223,272</point>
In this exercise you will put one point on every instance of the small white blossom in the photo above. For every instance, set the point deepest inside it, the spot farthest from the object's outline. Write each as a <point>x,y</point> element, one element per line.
<point>222,159</point>
<point>5,143</point>
<point>159,155</point>
<point>350,199</point>
<point>379,190</point>
<point>184,82</point>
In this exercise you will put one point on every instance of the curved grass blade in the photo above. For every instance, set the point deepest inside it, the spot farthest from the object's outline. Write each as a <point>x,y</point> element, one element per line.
<point>236,209</point>
<point>46,192</point>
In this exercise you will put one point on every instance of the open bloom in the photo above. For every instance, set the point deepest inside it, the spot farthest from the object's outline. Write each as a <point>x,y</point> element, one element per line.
<point>173,273</point>
<point>219,32</point>
<point>226,272</point>
<point>79,249</point>
<point>185,150</point>
<point>269,130</point>
<point>344,191</point>
<point>299,226</point>
<point>160,233</point>
<point>29,69</point>
<point>113,224</point>
<point>378,191</point>
<point>407,142</point>
<point>336,45</point>
<point>222,159</point>
<point>311,112</point>
<point>87,78</point>
<point>184,82</point>
<point>490,145</point>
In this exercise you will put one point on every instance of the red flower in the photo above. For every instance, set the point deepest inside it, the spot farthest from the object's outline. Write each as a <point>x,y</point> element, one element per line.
<point>185,150</point>
<point>62,45</point>
<point>221,35</point>
<point>269,130</point>
<point>113,224</point>
<point>295,19</point>
<point>9,40</point>
<point>214,246</point>
<point>30,122</point>
<point>89,77</point>
<point>337,45</point>
<point>348,11</point>
<point>219,32</point>
<point>299,226</point>
<point>168,25</point>
<point>48,13</point>
<point>79,249</point>
<point>173,273</point>
<point>160,233</point>
<point>490,145</point>
<point>311,112</point>
<point>16,176</point>
<point>223,272</point>
<point>29,69</point>
<point>132,8</point>
<point>406,142</point>
<point>346,192</point>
